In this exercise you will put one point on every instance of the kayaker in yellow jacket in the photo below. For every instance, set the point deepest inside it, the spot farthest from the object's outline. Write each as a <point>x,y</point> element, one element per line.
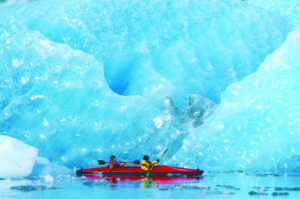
<point>146,164</point>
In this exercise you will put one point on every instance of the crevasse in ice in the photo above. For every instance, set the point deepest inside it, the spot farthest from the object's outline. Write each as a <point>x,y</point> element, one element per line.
<point>82,80</point>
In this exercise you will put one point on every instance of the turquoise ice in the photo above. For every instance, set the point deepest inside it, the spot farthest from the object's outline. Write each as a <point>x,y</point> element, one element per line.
<point>265,132</point>
<point>82,80</point>
<point>290,10</point>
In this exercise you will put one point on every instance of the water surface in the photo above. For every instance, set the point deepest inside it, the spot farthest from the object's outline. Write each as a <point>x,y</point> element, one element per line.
<point>232,184</point>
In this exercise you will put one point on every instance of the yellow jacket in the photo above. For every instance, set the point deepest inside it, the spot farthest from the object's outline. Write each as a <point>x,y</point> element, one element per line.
<point>146,165</point>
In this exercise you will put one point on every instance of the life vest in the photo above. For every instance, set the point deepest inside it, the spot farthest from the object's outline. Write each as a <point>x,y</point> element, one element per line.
<point>146,165</point>
<point>114,165</point>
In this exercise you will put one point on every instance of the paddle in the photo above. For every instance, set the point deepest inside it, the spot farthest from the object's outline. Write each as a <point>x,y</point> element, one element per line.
<point>149,171</point>
<point>163,154</point>
<point>103,162</point>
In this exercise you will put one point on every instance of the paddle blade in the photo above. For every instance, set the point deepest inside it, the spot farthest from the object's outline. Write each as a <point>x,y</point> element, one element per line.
<point>136,162</point>
<point>101,162</point>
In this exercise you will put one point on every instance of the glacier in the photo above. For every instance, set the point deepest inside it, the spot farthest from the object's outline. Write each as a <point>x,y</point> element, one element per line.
<point>80,81</point>
<point>265,132</point>
<point>290,10</point>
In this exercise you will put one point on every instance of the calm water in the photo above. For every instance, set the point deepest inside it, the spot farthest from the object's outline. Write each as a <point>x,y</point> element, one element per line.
<point>212,185</point>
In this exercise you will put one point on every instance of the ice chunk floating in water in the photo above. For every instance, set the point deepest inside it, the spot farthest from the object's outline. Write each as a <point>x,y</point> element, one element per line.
<point>92,78</point>
<point>17,159</point>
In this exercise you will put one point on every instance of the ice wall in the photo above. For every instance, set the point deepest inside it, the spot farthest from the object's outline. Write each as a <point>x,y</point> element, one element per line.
<point>183,45</point>
<point>11,2</point>
<point>81,80</point>
<point>257,124</point>
<point>290,10</point>
<point>61,104</point>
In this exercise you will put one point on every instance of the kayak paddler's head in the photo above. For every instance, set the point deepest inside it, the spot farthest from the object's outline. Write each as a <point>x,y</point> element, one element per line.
<point>112,157</point>
<point>146,157</point>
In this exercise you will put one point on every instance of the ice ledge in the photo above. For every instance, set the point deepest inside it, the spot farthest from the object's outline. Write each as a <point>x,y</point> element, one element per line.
<point>17,159</point>
<point>20,160</point>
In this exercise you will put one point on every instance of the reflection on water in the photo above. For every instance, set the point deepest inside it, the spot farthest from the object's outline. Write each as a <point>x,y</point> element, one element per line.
<point>213,185</point>
<point>160,179</point>
<point>138,181</point>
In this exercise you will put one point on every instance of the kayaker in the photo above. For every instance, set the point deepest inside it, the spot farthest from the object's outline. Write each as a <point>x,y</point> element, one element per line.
<point>114,164</point>
<point>146,164</point>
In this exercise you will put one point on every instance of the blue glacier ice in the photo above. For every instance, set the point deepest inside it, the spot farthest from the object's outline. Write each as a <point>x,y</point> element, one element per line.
<point>290,10</point>
<point>82,80</point>
<point>257,124</point>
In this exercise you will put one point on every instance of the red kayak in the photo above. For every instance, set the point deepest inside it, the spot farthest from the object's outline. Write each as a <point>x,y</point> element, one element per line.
<point>161,170</point>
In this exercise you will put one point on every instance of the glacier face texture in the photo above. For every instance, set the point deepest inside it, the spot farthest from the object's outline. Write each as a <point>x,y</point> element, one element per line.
<point>71,115</point>
<point>164,39</point>
<point>83,80</point>
<point>257,124</point>
<point>290,10</point>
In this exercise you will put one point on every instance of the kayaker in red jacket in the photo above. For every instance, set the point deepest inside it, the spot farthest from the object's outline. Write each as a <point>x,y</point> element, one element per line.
<point>114,164</point>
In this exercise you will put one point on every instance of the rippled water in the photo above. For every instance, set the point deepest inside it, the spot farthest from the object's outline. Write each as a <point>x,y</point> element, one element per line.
<point>234,184</point>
